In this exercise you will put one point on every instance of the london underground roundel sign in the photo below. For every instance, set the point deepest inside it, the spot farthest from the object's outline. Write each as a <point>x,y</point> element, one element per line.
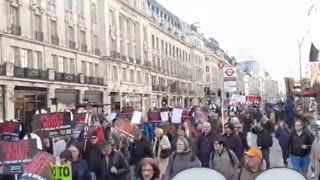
<point>229,71</point>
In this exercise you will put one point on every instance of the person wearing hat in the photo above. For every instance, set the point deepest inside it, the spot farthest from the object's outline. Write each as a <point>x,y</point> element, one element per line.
<point>253,167</point>
<point>80,170</point>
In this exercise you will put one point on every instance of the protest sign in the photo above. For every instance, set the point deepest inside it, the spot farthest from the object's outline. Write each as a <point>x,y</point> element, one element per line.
<point>127,112</point>
<point>10,131</point>
<point>237,98</point>
<point>176,115</point>
<point>164,116</point>
<point>154,116</point>
<point>61,172</point>
<point>39,167</point>
<point>56,124</point>
<point>15,154</point>
<point>136,118</point>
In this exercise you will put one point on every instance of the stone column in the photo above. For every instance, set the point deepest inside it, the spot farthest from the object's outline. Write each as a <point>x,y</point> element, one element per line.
<point>106,100</point>
<point>9,102</point>
<point>50,95</point>
<point>81,95</point>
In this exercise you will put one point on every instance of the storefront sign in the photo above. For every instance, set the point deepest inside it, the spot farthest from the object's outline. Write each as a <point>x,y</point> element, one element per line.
<point>61,172</point>
<point>56,124</point>
<point>14,155</point>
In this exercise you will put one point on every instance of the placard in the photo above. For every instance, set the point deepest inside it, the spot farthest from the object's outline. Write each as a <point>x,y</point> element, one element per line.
<point>56,124</point>
<point>176,115</point>
<point>39,167</point>
<point>164,116</point>
<point>136,118</point>
<point>154,116</point>
<point>111,116</point>
<point>14,155</point>
<point>61,172</point>
<point>10,131</point>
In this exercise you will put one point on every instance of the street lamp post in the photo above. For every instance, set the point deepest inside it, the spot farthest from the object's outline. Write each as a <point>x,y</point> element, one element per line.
<point>300,43</point>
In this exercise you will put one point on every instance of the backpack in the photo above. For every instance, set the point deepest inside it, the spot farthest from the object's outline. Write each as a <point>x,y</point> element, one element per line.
<point>229,154</point>
<point>193,157</point>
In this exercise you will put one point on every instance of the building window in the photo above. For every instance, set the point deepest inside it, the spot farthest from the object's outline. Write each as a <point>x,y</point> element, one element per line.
<point>26,58</point>
<point>131,75</point>
<point>54,28</point>
<point>14,15</point>
<point>51,7</point>
<point>38,23</point>
<point>72,66</point>
<point>112,17</point>
<point>115,73</point>
<point>16,56</point>
<point>91,70</point>
<point>146,79</point>
<point>84,67</point>
<point>94,13</point>
<point>96,70</point>
<point>71,33</point>
<point>55,62</point>
<point>153,41</point>
<point>39,60</point>
<point>80,6</point>
<point>68,4</point>
<point>61,64</point>
<point>207,69</point>
<point>82,37</point>
<point>65,65</point>
<point>124,74</point>
<point>139,77</point>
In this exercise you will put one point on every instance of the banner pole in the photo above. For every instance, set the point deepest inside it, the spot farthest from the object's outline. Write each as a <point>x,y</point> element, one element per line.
<point>15,176</point>
<point>53,148</point>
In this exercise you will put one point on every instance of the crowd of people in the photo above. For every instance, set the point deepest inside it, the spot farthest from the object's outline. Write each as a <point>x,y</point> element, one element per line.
<point>158,154</point>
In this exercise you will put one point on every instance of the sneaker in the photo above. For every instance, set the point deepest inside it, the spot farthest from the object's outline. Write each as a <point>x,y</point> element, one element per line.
<point>312,175</point>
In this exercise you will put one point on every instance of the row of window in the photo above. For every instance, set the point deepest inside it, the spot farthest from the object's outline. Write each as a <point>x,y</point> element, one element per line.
<point>27,58</point>
<point>38,28</point>
<point>168,49</point>
<point>132,77</point>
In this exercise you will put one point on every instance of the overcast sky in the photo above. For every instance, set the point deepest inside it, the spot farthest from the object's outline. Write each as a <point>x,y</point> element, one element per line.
<point>267,30</point>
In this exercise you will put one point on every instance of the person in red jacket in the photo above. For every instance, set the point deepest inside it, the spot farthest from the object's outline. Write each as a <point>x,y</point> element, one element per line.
<point>98,132</point>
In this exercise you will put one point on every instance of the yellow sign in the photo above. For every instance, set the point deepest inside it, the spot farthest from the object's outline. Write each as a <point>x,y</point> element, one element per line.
<point>63,172</point>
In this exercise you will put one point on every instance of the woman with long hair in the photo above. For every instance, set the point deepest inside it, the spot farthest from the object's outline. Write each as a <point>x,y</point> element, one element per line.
<point>148,169</point>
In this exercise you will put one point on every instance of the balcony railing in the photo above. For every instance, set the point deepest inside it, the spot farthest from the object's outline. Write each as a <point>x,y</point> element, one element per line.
<point>3,69</point>
<point>123,57</point>
<point>131,59</point>
<point>38,36</point>
<point>19,72</point>
<point>147,63</point>
<point>138,61</point>
<point>155,88</point>
<point>84,48</point>
<point>55,40</point>
<point>15,29</point>
<point>72,45</point>
<point>32,73</point>
<point>97,51</point>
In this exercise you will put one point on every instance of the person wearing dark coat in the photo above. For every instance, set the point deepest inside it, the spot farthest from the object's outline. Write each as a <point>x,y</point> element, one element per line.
<point>232,141</point>
<point>93,154</point>
<point>282,134</point>
<point>113,165</point>
<point>206,144</point>
<point>140,149</point>
<point>80,169</point>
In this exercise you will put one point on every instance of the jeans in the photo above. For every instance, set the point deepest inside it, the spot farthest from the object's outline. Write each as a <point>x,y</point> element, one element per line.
<point>93,176</point>
<point>266,156</point>
<point>300,163</point>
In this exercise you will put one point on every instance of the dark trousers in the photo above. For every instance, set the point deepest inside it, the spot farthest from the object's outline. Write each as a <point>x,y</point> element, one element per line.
<point>266,156</point>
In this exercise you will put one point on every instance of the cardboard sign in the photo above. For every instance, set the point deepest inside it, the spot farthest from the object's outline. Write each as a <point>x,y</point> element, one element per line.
<point>56,124</point>
<point>61,172</point>
<point>14,155</point>
<point>136,118</point>
<point>10,131</point>
<point>125,126</point>
<point>176,115</point>
<point>39,167</point>
<point>127,112</point>
<point>237,98</point>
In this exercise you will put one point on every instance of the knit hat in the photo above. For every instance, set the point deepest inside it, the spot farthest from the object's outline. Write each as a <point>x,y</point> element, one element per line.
<point>254,152</point>
<point>229,125</point>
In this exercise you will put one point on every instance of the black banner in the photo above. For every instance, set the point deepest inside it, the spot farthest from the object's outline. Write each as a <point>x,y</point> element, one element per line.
<point>14,155</point>
<point>10,131</point>
<point>39,168</point>
<point>56,124</point>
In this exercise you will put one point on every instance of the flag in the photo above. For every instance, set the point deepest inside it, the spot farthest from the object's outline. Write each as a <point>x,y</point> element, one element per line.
<point>314,54</point>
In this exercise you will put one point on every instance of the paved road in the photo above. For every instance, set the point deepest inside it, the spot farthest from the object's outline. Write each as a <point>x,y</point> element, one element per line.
<point>275,151</point>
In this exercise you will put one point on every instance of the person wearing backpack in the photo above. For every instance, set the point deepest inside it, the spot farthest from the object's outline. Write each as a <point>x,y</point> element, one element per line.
<point>264,140</point>
<point>181,159</point>
<point>223,160</point>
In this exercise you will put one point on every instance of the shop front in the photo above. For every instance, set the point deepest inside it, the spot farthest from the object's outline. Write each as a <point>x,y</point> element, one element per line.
<point>94,96</point>
<point>66,99</point>
<point>27,100</point>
